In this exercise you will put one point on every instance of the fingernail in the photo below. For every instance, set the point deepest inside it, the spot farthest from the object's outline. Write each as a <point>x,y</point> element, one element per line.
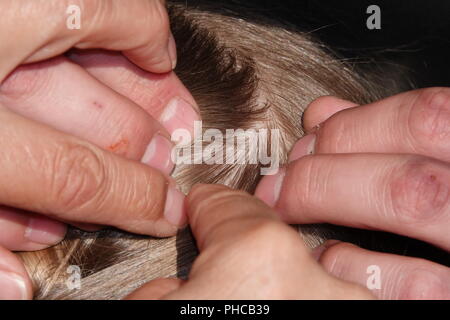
<point>172,49</point>
<point>319,250</point>
<point>174,211</point>
<point>158,154</point>
<point>45,231</point>
<point>12,287</point>
<point>269,188</point>
<point>179,114</point>
<point>303,147</point>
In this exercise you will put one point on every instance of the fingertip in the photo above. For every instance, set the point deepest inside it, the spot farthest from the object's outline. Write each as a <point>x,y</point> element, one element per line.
<point>158,55</point>
<point>45,231</point>
<point>305,146</point>
<point>269,188</point>
<point>323,108</point>
<point>331,254</point>
<point>179,114</point>
<point>14,281</point>
<point>172,50</point>
<point>158,154</point>
<point>318,251</point>
<point>174,209</point>
<point>28,231</point>
<point>13,287</point>
<point>151,59</point>
<point>144,39</point>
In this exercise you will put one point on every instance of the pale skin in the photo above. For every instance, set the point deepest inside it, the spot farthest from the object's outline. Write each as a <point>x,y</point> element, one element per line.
<point>246,252</point>
<point>386,180</point>
<point>45,147</point>
<point>382,166</point>
<point>73,148</point>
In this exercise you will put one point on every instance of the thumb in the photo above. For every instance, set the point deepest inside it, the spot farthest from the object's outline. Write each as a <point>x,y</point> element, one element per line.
<point>218,214</point>
<point>156,289</point>
<point>140,29</point>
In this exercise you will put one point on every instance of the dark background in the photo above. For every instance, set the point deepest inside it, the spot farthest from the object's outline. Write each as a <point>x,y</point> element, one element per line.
<point>414,33</point>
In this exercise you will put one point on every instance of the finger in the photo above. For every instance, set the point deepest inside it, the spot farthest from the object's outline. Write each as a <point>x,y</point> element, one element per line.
<point>323,108</point>
<point>164,97</point>
<point>388,276</point>
<point>217,213</point>
<point>82,183</point>
<point>61,94</point>
<point>26,231</point>
<point>408,195</point>
<point>14,281</point>
<point>139,28</point>
<point>155,290</point>
<point>415,122</point>
<point>231,225</point>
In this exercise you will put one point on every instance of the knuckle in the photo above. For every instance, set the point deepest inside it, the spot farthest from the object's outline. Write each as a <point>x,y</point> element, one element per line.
<point>267,229</point>
<point>429,117</point>
<point>273,239</point>
<point>77,177</point>
<point>150,204</point>
<point>419,192</point>
<point>94,13</point>
<point>423,284</point>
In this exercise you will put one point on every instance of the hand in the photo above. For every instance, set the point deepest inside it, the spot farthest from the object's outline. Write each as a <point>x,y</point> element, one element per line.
<point>140,29</point>
<point>53,161</point>
<point>382,166</point>
<point>246,252</point>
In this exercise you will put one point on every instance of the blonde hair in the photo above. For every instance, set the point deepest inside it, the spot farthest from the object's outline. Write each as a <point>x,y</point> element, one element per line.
<point>243,74</point>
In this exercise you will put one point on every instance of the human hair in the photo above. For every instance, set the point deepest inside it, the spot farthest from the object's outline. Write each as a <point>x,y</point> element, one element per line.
<point>244,71</point>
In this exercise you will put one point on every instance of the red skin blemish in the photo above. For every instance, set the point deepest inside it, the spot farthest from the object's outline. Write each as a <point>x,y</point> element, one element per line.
<point>119,147</point>
<point>98,104</point>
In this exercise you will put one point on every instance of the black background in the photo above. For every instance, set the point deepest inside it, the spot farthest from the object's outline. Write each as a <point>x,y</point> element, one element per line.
<point>414,33</point>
